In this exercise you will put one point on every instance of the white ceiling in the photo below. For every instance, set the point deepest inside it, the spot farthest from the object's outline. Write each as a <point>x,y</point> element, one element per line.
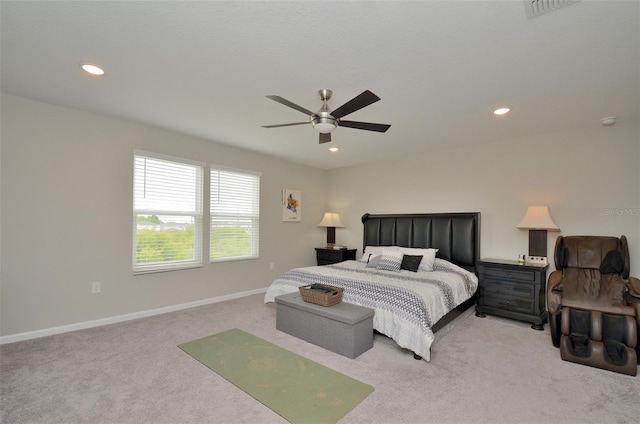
<point>440,68</point>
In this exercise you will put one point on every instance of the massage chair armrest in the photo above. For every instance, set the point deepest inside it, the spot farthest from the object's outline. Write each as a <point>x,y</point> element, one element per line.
<point>635,304</point>
<point>633,296</point>
<point>633,285</point>
<point>554,292</point>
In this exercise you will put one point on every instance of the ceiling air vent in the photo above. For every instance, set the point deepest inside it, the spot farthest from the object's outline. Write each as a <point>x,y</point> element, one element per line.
<point>538,7</point>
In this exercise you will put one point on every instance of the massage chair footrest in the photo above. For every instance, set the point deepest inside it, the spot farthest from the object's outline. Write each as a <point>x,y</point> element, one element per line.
<point>612,356</point>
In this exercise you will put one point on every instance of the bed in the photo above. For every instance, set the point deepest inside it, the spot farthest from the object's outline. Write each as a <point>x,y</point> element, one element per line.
<point>410,307</point>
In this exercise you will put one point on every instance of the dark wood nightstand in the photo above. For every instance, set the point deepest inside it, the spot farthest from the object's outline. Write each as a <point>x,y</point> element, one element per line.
<point>327,256</point>
<point>512,290</point>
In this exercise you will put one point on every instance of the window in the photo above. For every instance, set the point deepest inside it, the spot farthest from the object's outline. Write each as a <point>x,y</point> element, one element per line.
<point>235,214</point>
<point>167,213</point>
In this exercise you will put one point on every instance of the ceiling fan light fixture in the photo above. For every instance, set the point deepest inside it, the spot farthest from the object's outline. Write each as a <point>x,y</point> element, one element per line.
<point>325,127</point>
<point>324,124</point>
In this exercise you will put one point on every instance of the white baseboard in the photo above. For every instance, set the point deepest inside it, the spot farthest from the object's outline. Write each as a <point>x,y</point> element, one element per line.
<point>120,318</point>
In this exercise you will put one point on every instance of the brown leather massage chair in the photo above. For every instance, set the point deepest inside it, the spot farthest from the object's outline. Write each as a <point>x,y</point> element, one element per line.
<point>593,305</point>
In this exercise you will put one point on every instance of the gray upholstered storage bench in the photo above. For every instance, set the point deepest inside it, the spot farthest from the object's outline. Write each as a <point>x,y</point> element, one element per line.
<point>342,328</point>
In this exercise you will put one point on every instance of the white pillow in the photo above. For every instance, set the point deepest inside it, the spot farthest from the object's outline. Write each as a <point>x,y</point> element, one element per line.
<point>428,257</point>
<point>391,260</point>
<point>372,251</point>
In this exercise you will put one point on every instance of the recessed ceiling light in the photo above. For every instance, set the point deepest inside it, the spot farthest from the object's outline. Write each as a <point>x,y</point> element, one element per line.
<point>501,111</point>
<point>92,69</point>
<point>608,121</point>
<point>333,149</point>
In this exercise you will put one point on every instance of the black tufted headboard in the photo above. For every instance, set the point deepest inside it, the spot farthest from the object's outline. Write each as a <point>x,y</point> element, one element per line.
<point>457,234</point>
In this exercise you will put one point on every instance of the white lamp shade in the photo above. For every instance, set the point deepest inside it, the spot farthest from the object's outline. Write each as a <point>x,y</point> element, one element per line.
<point>330,219</point>
<point>537,218</point>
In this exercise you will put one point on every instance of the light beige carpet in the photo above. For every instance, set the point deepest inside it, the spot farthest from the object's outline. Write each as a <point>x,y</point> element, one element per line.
<point>486,370</point>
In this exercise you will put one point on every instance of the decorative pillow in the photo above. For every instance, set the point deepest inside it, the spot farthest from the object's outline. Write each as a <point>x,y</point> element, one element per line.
<point>428,257</point>
<point>374,261</point>
<point>390,260</point>
<point>410,262</point>
<point>371,251</point>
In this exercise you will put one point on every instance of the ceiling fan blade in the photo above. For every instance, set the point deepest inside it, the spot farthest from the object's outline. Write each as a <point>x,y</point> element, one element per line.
<point>290,104</point>
<point>325,138</point>
<point>361,100</point>
<point>364,126</point>
<point>285,125</point>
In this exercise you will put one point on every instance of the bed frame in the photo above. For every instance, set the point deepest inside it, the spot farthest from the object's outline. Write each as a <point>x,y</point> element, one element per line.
<point>456,235</point>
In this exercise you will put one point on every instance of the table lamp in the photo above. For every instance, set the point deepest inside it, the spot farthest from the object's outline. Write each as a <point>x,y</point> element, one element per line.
<point>331,220</point>
<point>538,221</point>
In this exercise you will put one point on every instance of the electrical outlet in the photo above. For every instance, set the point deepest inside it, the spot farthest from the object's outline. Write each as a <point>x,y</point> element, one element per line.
<point>272,265</point>
<point>96,287</point>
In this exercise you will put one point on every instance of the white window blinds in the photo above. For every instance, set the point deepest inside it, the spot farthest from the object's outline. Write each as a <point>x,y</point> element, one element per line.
<point>167,213</point>
<point>235,214</point>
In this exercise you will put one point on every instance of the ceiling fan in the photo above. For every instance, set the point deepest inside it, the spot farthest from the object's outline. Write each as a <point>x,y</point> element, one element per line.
<point>326,121</point>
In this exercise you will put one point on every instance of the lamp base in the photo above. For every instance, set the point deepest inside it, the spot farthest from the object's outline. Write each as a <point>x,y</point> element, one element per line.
<point>538,243</point>
<point>537,248</point>
<point>331,236</point>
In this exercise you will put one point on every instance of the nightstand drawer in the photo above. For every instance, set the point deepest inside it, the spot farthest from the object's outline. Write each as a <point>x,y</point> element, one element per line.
<point>513,304</point>
<point>508,291</point>
<point>518,275</point>
<point>330,256</point>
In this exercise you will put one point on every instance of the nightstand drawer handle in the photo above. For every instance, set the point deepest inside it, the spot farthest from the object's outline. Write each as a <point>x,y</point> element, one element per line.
<point>520,275</point>
<point>508,290</point>
<point>507,303</point>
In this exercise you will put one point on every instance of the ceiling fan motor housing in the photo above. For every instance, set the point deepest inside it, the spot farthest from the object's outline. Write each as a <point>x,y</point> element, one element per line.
<point>325,94</point>
<point>322,120</point>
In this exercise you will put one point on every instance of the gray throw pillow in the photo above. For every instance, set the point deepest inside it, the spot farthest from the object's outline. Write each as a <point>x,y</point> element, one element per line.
<point>373,261</point>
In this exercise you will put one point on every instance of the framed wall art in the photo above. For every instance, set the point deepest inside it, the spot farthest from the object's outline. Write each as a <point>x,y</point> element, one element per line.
<point>291,205</point>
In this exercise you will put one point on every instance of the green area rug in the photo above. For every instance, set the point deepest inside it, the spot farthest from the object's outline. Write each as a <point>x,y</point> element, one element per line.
<point>298,389</point>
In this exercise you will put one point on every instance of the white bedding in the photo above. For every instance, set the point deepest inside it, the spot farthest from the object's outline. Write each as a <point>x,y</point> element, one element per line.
<point>407,304</point>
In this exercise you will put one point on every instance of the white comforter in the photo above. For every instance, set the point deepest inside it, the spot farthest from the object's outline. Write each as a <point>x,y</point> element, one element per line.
<point>406,304</point>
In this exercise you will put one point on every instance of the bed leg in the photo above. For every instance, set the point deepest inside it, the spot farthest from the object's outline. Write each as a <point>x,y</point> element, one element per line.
<point>416,356</point>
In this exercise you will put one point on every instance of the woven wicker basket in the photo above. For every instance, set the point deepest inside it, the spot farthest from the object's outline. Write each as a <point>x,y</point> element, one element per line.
<point>321,298</point>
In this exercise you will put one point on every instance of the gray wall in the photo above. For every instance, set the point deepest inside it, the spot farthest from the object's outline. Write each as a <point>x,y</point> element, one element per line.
<point>589,178</point>
<point>66,208</point>
<point>67,218</point>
